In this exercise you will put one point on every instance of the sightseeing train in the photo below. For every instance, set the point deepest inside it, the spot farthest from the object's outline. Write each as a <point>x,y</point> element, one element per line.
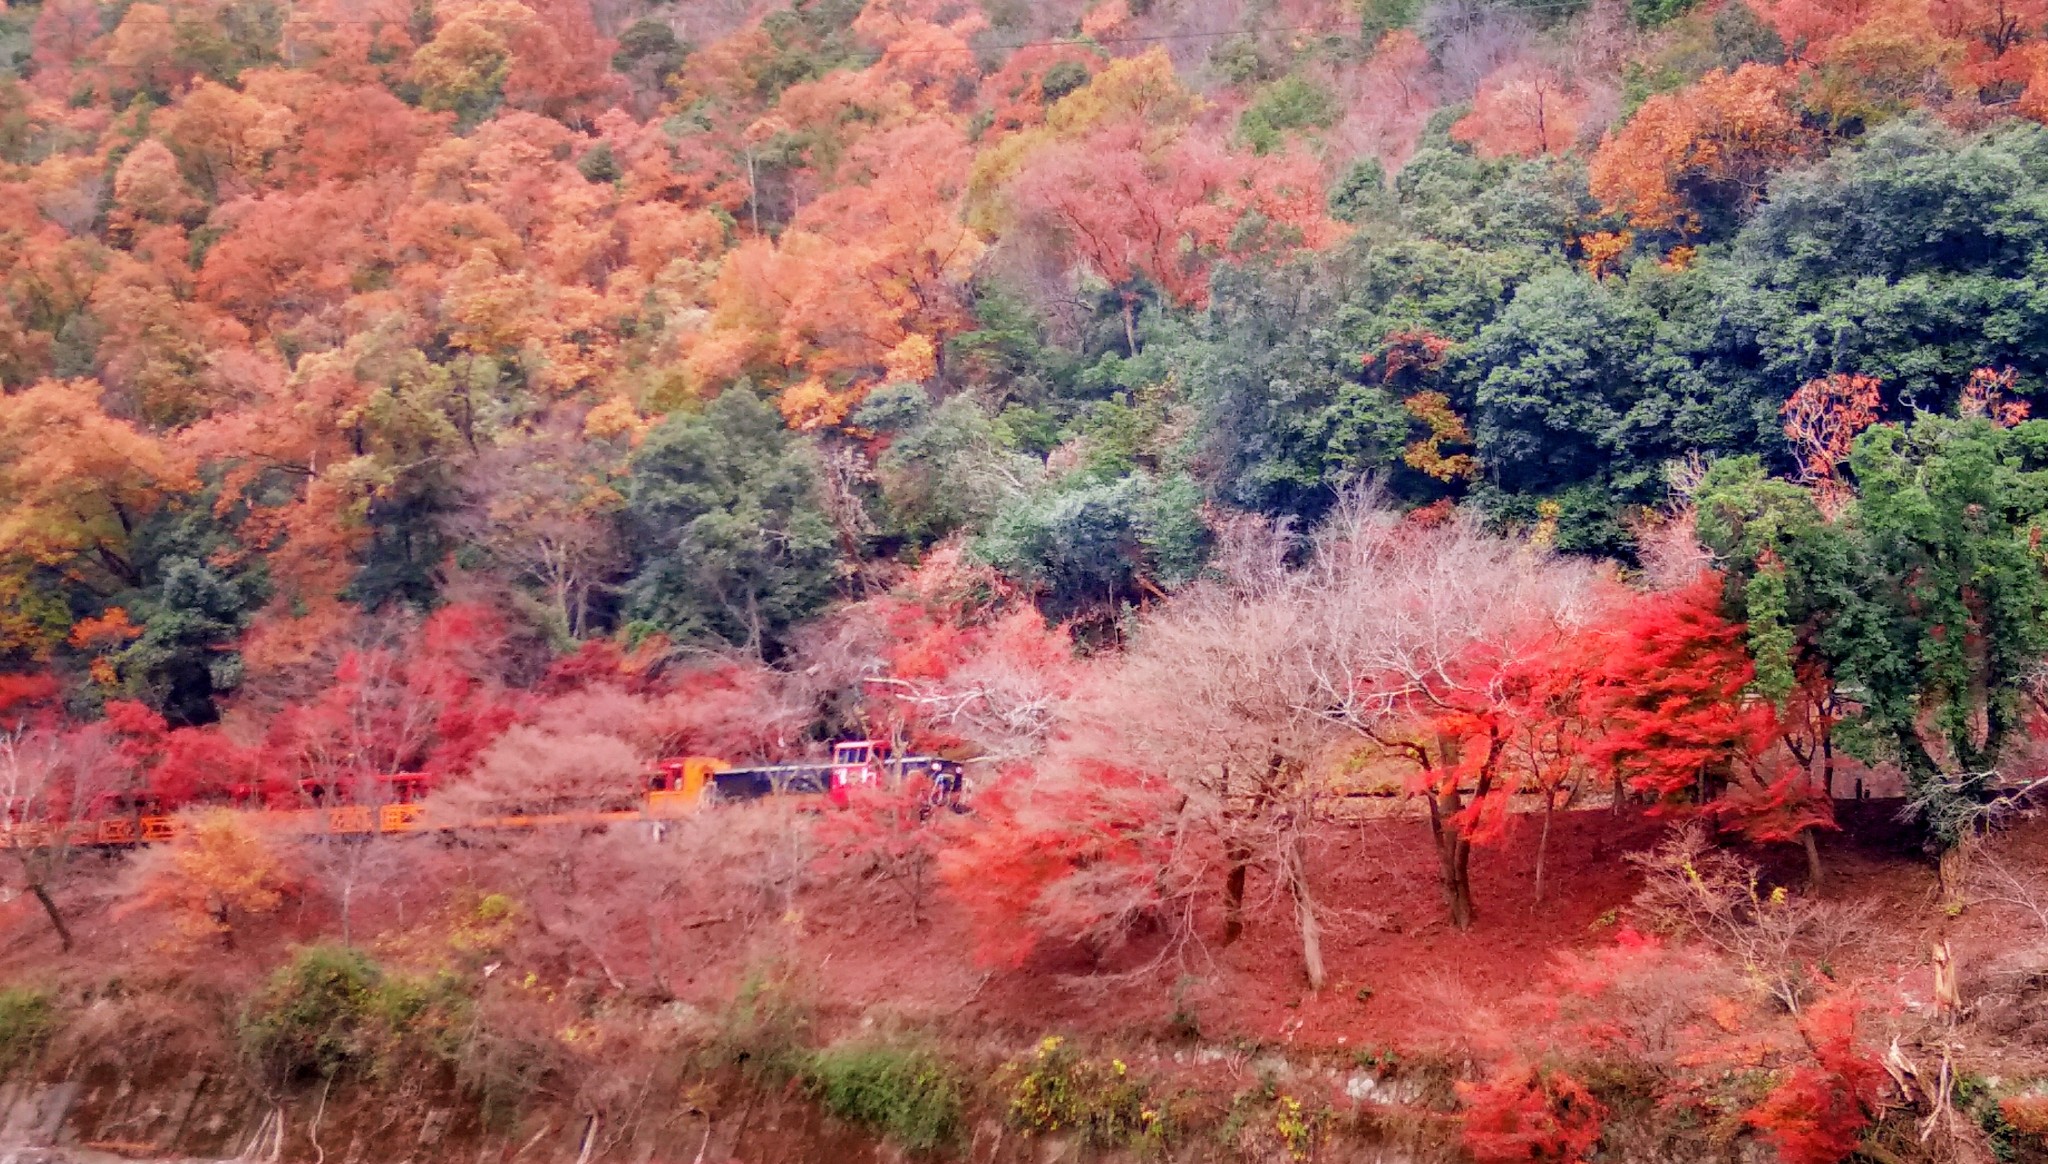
<point>397,804</point>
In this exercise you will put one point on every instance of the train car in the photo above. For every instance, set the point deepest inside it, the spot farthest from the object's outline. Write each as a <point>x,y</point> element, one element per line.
<point>676,786</point>
<point>854,764</point>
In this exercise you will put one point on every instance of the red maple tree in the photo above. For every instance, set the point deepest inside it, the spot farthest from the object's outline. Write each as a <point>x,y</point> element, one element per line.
<point>1074,853</point>
<point>1681,726</point>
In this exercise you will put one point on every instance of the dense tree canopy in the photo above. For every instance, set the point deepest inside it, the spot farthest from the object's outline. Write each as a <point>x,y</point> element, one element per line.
<point>728,526</point>
<point>1927,596</point>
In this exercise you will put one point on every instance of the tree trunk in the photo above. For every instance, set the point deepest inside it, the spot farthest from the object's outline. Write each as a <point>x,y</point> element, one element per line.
<point>1543,841</point>
<point>1810,842</point>
<point>1454,857</point>
<point>1240,859</point>
<point>1948,997</point>
<point>753,195</point>
<point>1952,872</point>
<point>49,905</point>
<point>1305,914</point>
<point>1463,914</point>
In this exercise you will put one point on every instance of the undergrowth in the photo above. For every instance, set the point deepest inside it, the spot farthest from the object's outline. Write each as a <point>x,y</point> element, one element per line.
<point>1266,1123</point>
<point>333,1010</point>
<point>910,1095</point>
<point>1059,1090</point>
<point>766,1032</point>
<point>27,1019</point>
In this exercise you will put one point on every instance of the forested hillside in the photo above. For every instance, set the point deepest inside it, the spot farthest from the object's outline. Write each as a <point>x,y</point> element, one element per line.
<point>314,313</point>
<point>1305,458</point>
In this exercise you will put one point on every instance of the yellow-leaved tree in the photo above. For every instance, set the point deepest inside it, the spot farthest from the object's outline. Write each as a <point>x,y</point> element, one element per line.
<point>219,878</point>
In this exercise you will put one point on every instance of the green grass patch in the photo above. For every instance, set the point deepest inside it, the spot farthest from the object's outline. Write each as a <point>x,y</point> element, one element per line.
<point>28,1018</point>
<point>907,1094</point>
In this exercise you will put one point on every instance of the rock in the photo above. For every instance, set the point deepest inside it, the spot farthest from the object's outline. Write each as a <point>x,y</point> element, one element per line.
<point>435,1126</point>
<point>1058,1150</point>
<point>1368,1087</point>
<point>37,1114</point>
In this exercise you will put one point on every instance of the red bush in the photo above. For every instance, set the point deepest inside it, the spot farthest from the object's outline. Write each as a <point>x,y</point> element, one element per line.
<point>2026,1113</point>
<point>1817,1114</point>
<point>1530,1114</point>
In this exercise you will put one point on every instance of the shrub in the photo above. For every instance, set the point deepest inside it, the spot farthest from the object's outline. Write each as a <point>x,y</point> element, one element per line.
<point>1266,1124</point>
<point>417,1020</point>
<point>332,1009</point>
<point>910,1095</point>
<point>765,1031</point>
<point>1809,1118</point>
<point>1817,1114</point>
<point>1785,944</point>
<point>308,1020</point>
<point>27,1019</point>
<point>1292,103</point>
<point>1531,1114</point>
<point>2027,1114</point>
<point>1061,79</point>
<point>1058,1090</point>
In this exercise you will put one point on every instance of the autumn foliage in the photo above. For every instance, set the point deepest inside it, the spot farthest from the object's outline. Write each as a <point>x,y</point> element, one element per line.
<point>1817,1112</point>
<point>220,879</point>
<point>1524,109</point>
<point>1681,725</point>
<point>486,402</point>
<point>1825,414</point>
<point>1530,1113</point>
<point>1714,145</point>
<point>1073,855</point>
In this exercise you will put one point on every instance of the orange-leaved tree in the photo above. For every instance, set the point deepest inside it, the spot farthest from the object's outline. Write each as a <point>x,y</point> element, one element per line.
<point>80,482</point>
<point>1705,151</point>
<point>1823,417</point>
<point>218,879</point>
<point>1129,207</point>
<point>1523,109</point>
<point>1988,393</point>
<point>866,285</point>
